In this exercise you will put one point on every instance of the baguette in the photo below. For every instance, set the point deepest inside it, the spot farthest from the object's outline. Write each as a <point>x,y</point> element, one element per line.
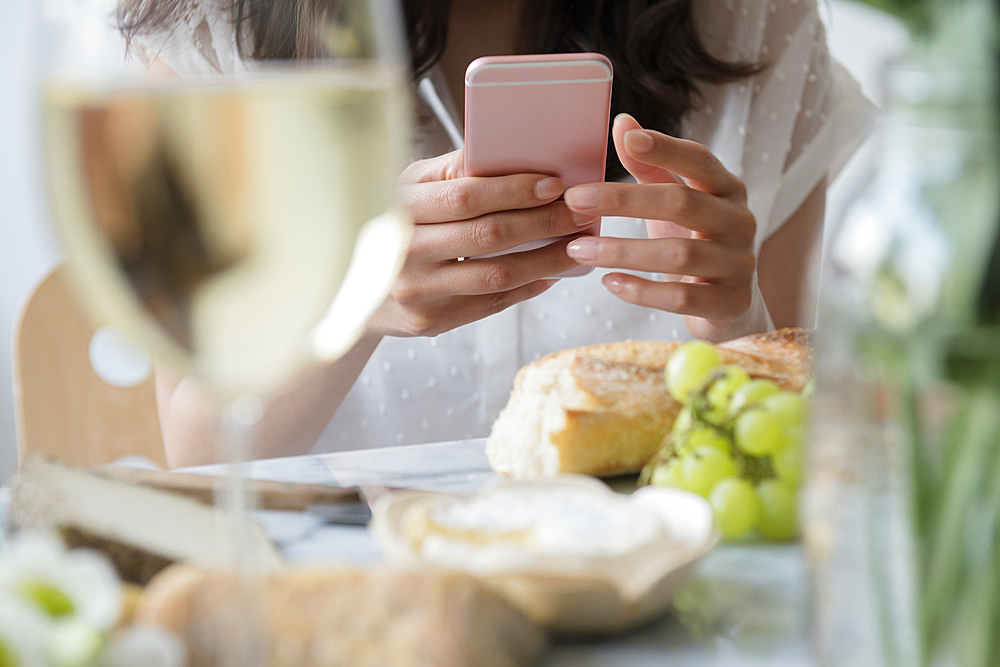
<point>346,618</point>
<point>603,410</point>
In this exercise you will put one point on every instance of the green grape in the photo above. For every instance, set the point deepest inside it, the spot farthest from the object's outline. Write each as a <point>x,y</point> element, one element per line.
<point>688,368</point>
<point>736,507</point>
<point>684,420</point>
<point>752,393</point>
<point>794,436</point>
<point>778,510</point>
<point>706,436</point>
<point>788,464</point>
<point>720,392</point>
<point>703,469</point>
<point>758,433</point>
<point>789,408</point>
<point>670,473</point>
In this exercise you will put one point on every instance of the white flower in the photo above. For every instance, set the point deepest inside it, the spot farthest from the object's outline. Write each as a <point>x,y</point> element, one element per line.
<point>22,634</point>
<point>145,645</point>
<point>73,643</point>
<point>78,585</point>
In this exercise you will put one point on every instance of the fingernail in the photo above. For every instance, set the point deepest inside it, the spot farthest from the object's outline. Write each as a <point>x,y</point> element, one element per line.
<point>583,249</point>
<point>613,283</point>
<point>582,197</point>
<point>547,188</point>
<point>638,141</point>
<point>584,220</point>
<point>623,116</point>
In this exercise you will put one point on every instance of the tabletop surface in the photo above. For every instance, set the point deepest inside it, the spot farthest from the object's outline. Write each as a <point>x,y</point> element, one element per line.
<point>747,605</point>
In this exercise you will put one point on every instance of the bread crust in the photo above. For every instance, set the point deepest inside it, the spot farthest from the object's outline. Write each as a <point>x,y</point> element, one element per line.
<point>604,409</point>
<point>351,617</point>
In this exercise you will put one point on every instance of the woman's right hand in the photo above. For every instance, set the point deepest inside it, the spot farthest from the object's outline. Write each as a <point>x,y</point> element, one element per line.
<point>458,216</point>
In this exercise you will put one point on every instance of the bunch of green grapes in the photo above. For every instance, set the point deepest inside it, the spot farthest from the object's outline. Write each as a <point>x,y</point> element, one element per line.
<point>737,442</point>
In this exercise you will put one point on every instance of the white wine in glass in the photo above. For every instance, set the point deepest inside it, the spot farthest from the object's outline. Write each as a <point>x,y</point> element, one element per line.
<point>215,221</point>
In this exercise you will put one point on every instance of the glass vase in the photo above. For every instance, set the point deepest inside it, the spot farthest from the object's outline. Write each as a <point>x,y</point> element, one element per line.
<point>902,501</point>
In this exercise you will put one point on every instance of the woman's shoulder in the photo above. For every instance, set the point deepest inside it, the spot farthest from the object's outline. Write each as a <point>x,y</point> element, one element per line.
<point>196,37</point>
<point>794,122</point>
<point>756,31</point>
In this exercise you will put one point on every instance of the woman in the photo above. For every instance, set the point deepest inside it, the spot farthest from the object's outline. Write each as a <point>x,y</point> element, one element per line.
<point>769,120</point>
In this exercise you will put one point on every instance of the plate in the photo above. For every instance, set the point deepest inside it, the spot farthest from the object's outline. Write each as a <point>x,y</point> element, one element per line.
<point>574,595</point>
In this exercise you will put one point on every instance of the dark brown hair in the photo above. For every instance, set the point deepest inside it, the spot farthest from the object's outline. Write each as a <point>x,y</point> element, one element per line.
<point>652,44</point>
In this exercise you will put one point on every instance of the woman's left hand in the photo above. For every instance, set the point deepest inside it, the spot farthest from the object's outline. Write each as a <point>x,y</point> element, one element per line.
<point>701,233</point>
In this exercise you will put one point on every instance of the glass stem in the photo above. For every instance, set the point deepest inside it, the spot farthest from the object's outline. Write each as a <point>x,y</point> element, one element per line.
<point>241,423</point>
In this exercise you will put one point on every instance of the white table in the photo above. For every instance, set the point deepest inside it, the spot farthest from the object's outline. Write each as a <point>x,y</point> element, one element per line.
<point>747,606</point>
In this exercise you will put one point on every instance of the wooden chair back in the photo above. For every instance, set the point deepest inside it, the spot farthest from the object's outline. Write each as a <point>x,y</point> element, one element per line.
<point>65,410</point>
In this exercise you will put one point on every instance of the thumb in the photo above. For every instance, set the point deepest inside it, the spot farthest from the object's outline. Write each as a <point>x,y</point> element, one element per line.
<point>644,173</point>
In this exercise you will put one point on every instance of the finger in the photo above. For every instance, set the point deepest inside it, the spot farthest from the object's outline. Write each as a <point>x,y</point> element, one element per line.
<point>471,197</point>
<point>711,301</point>
<point>496,232</point>
<point>644,173</point>
<point>678,256</point>
<point>468,309</point>
<point>500,274</point>
<point>416,315</point>
<point>706,214</point>
<point>441,168</point>
<point>688,159</point>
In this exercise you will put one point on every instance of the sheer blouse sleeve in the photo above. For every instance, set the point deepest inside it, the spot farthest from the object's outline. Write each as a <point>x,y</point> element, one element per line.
<point>795,122</point>
<point>199,40</point>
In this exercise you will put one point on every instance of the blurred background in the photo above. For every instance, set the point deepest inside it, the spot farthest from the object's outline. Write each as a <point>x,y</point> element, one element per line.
<point>863,38</point>
<point>27,245</point>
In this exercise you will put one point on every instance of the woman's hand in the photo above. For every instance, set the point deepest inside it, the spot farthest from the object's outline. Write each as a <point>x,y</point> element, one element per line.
<point>701,233</point>
<point>460,216</point>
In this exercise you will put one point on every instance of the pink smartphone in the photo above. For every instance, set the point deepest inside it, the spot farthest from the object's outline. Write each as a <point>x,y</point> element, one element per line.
<point>539,114</point>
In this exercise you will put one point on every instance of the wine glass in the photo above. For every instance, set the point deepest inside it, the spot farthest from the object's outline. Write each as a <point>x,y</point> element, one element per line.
<point>210,200</point>
<point>213,216</point>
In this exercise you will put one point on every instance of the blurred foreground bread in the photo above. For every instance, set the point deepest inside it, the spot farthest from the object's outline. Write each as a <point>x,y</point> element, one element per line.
<point>603,410</point>
<point>348,618</point>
